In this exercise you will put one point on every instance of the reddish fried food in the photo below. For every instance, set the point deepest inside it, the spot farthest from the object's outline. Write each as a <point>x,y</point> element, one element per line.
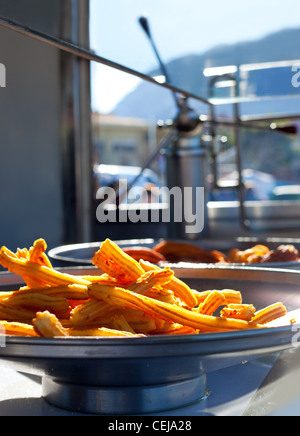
<point>249,256</point>
<point>186,252</point>
<point>144,253</point>
<point>284,253</point>
<point>262,254</point>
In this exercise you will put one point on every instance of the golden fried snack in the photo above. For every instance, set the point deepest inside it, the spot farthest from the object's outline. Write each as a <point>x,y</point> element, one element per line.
<point>6,259</point>
<point>284,253</point>
<point>164,295</point>
<point>130,299</point>
<point>239,311</point>
<point>270,313</point>
<point>171,328</point>
<point>250,256</point>
<point>48,326</point>
<point>104,279</point>
<point>144,253</point>
<point>212,303</point>
<point>37,253</point>
<point>139,321</point>
<point>231,297</point>
<point>180,289</point>
<point>69,292</point>
<point>17,329</point>
<point>186,252</point>
<point>102,333</point>
<point>37,274</point>
<point>119,322</point>
<point>16,313</point>
<point>113,261</point>
<point>151,279</point>
<point>36,301</point>
<point>90,312</point>
<point>123,298</point>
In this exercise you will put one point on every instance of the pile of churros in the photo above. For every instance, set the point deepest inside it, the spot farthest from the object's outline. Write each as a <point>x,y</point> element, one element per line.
<point>125,298</point>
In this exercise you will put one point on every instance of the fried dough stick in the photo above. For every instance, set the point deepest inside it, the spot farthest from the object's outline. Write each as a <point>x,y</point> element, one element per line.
<point>113,261</point>
<point>139,321</point>
<point>180,289</point>
<point>171,328</point>
<point>151,279</point>
<point>71,292</point>
<point>102,333</point>
<point>270,313</point>
<point>16,313</point>
<point>119,322</point>
<point>90,312</point>
<point>17,329</point>
<point>168,312</point>
<point>104,279</point>
<point>37,253</point>
<point>212,303</point>
<point>239,311</point>
<point>231,297</point>
<point>37,274</point>
<point>55,295</point>
<point>48,326</point>
<point>35,301</point>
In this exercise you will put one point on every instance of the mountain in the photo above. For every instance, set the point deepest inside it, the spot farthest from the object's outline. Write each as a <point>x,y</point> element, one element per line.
<point>152,102</point>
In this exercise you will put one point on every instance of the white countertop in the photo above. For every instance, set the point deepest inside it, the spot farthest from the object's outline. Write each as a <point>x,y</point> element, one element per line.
<point>269,386</point>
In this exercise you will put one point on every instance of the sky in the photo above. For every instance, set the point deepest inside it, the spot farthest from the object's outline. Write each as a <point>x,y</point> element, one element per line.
<point>179,27</point>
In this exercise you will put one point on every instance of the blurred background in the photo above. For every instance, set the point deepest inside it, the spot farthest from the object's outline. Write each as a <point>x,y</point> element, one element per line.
<point>70,125</point>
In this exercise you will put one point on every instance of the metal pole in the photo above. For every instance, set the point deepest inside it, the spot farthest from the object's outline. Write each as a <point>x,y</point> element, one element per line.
<point>82,125</point>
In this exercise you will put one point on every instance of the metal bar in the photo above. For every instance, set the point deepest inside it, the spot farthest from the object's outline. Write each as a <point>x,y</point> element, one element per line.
<point>82,126</point>
<point>244,124</point>
<point>266,118</point>
<point>89,55</point>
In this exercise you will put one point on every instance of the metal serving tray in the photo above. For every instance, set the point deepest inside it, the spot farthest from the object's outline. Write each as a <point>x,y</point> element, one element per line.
<point>153,374</point>
<point>82,254</point>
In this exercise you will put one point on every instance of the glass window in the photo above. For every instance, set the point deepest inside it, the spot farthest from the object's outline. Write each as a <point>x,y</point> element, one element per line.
<point>257,42</point>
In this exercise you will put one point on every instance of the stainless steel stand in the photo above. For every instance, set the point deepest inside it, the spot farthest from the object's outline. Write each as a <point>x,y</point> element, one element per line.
<point>124,400</point>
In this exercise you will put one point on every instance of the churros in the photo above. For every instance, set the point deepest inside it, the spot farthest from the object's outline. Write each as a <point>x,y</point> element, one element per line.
<point>270,313</point>
<point>121,297</point>
<point>38,274</point>
<point>124,299</point>
<point>212,303</point>
<point>239,311</point>
<point>179,288</point>
<point>113,261</point>
<point>47,325</point>
<point>17,329</point>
